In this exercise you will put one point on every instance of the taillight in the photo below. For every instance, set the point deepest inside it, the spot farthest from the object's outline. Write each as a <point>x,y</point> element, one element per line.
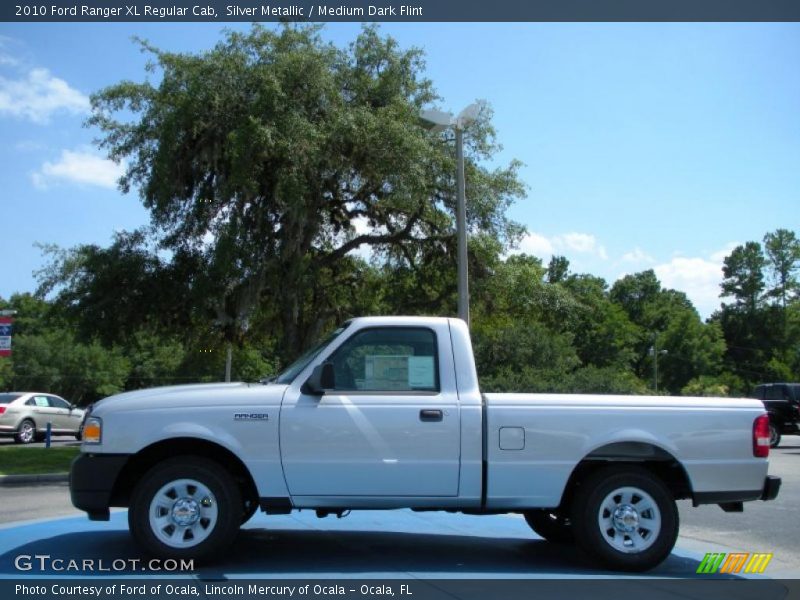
<point>761,437</point>
<point>2,409</point>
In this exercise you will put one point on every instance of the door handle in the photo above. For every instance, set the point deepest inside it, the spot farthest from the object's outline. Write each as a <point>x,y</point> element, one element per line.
<point>427,414</point>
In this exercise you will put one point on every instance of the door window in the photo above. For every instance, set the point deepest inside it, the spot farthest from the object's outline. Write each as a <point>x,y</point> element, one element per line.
<point>391,359</point>
<point>58,403</point>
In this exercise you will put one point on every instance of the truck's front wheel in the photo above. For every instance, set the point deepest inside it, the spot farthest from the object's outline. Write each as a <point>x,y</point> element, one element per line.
<point>185,507</point>
<point>626,518</point>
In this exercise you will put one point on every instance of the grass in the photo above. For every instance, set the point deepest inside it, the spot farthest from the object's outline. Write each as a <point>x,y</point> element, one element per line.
<point>16,460</point>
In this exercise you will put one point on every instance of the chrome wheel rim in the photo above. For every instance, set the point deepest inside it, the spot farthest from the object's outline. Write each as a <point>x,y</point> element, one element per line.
<point>629,520</point>
<point>183,513</point>
<point>26,432</point>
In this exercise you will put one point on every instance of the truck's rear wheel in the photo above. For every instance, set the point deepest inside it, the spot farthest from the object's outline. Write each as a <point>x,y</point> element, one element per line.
<point>552,525</point>
<point>626,518</point>
<point>186,507</point>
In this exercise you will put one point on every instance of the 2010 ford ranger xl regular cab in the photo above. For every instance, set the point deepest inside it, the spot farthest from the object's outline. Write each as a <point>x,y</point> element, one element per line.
<point>386,413</point>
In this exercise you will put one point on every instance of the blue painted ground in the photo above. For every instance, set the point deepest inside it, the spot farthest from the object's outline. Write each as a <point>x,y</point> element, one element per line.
<point>366,544</point>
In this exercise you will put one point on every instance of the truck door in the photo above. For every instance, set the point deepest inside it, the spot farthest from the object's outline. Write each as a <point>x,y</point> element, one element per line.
<point>390,426</point>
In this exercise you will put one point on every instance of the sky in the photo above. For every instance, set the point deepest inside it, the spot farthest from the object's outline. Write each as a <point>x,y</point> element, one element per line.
<point>645,146</point>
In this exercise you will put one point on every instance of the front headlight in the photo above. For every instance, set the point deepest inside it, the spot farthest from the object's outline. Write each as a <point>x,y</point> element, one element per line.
<point>93,430</point>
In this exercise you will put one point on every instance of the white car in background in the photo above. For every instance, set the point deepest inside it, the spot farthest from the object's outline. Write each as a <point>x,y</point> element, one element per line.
<point>25,416</point>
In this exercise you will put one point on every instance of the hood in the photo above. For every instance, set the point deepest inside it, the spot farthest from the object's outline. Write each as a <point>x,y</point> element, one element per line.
<point>193,395</point>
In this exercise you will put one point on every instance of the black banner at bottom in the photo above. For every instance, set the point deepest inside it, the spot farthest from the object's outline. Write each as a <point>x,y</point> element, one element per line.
<point>400,589</point>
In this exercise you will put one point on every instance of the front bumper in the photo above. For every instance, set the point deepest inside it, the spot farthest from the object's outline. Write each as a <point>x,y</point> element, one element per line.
<point>91,482</point>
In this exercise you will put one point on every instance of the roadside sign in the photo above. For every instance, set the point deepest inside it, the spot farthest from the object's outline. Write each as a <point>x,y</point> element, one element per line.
<point>5,336</point>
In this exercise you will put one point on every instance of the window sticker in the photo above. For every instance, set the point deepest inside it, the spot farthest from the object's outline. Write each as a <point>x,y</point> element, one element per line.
<point>420,372</point>
<point>42,401</point>
<point>385,372</point>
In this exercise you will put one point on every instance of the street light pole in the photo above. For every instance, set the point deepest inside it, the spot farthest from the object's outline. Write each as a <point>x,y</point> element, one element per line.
<point>228,362</point>
<point>656,352</point>
<point>461,229</point>
<point>655,363</point>
<point>437,121</point>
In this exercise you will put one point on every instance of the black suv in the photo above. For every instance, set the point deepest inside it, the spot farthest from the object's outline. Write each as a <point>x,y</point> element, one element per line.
<point>782,401</point>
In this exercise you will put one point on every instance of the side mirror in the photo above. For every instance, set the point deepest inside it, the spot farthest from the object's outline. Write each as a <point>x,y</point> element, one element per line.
<point>322,378</point>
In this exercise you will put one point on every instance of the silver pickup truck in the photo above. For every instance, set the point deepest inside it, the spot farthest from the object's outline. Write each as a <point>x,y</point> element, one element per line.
<point>386,413</point>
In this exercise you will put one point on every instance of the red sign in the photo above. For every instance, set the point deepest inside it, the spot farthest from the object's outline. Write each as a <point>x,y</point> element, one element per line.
<point>5,335</point>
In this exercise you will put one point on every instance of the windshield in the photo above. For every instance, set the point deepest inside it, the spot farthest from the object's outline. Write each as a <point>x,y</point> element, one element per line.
<point>294,369</point>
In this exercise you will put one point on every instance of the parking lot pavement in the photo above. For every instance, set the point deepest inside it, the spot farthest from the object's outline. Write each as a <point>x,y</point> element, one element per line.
<point>367,544</point>
<point>405,544</point>
<point>763,526</point>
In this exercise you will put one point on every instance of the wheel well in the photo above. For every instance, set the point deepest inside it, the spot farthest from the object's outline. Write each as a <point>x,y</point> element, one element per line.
<point>145,459</point>
<point>656,460</point>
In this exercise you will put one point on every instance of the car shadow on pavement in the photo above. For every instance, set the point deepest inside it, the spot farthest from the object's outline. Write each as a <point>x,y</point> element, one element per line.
<point>262,553</point>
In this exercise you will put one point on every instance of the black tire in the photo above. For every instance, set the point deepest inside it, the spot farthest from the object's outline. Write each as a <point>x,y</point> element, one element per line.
<point>774,435</point>
<point>644,514</point>
<point>551,525</point>
<point>211,489</point>
<point>26,432</point>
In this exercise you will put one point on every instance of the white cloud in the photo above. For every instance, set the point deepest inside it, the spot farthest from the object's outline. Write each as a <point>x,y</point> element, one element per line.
<point>38,96</point>
<point>698,277</point>
<point>568,243</point>
<point>582,243</point>
<point>637,256</point>
<point>720,255</point>
<point>536,245</point>
<point>79,166</point>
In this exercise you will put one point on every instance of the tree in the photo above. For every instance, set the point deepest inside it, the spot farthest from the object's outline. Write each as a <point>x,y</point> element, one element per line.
<point>762,336</point>
<point>113,293</point>
<point>668,323</point>
<point>54,361</point>
<point>782,250</point>
<point>604,335</point>
<point>634,293</point>
<point>743,276</point>
<point>558,269</point>
<point>266,161</point>
<point>693,350</point>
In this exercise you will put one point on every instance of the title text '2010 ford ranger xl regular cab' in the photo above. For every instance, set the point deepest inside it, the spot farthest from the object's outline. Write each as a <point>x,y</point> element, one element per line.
<point>386,413</point>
